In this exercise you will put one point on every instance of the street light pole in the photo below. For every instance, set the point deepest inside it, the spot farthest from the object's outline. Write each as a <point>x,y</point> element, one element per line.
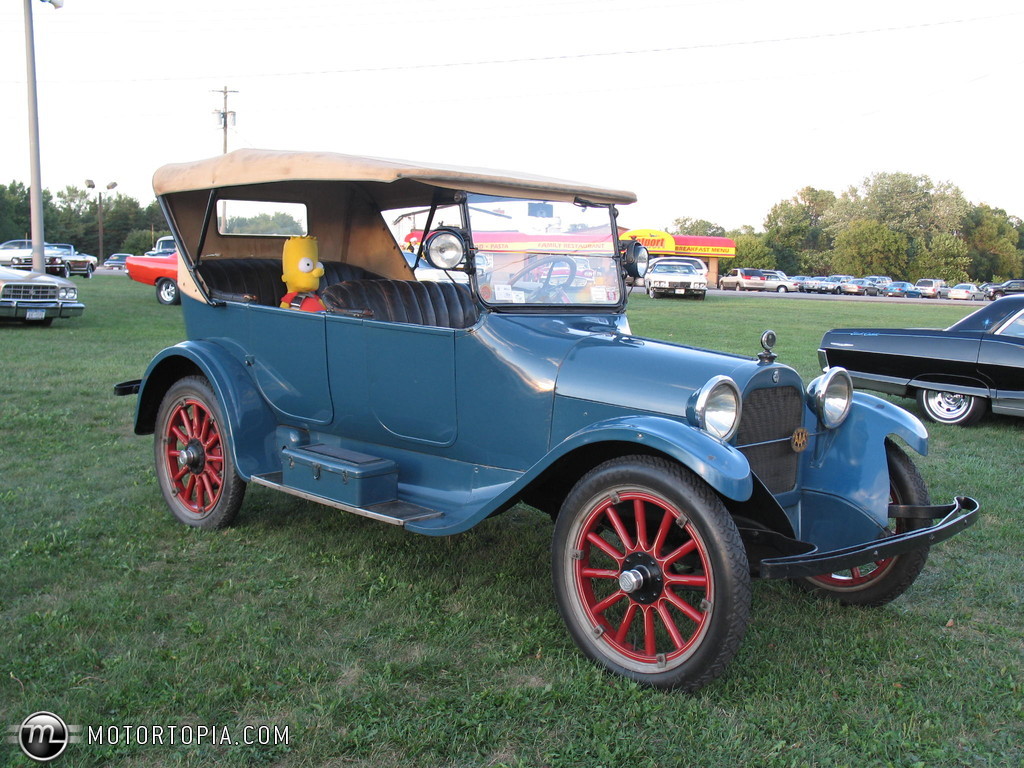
<point>36,191</point>
<point>89,184</point>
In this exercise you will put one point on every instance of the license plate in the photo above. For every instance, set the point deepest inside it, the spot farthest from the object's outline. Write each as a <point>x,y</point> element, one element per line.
<point>35,314</point>
<point>680,290</point>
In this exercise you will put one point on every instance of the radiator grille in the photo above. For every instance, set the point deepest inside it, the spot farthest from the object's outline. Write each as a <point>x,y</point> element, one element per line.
<point>29,291</point>
<point>770,416</point>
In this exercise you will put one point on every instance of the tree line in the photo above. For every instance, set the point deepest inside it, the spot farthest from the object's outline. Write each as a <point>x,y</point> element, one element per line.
<point>894,224</point>
<point>71,216</point>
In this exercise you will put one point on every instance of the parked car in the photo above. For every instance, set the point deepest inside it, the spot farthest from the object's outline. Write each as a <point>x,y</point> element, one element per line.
<point>116,261</point>
<point>812,284</point>
<point>674,475</point>
<point>1009,288</point>
<point>164,245</point>
<point>880,280</point>
<point>161,271</point>
<point>965,292</point>
<point>32,297</point>
<point>929,287</point>
<point>698,264</point>
<point>12,248</point>
<point>742,279</point>
<point>778,281</point>
<point>674,277</point>
<point>833,283</point>
<point>77,263</point>
<point>859,286</point>
<point>53,261</point>
<point>955,373</point>
<point>901,290</point>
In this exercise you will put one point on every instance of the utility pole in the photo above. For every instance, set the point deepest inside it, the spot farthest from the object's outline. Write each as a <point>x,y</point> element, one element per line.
<point>224,115</point>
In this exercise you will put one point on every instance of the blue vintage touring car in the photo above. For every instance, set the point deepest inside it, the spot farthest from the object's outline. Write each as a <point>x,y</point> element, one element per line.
<point>674,475</point>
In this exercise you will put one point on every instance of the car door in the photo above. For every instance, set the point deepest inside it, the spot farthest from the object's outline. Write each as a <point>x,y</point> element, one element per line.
<point>392,383</point>
<point>287,356</point>
<point>1001,360</point>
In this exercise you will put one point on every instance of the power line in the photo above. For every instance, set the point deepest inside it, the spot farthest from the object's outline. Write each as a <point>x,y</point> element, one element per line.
<point>579,56</point>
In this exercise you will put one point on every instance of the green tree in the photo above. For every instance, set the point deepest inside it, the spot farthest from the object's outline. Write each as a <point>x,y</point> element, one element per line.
<point>868,247</point>
<point>795,227</point>
<point>751,251</point>
<point>141,240</point>
<point>696,227</point>
<point>14,212</point>
<point>992,240</point>
<point>946,258</point>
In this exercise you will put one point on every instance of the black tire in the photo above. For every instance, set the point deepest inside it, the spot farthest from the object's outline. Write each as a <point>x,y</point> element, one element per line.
<point>652,293</point>
<point>167,291</point>
<point>781,289</point>
<point>951,408</point>
<point>194,463</point>
<point>681,613</point>
<point>883,581</point>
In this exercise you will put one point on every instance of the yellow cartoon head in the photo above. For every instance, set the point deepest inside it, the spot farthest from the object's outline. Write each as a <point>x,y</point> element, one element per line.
<point>302,269</point>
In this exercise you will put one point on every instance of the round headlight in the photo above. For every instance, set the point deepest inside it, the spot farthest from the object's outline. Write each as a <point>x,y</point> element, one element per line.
<point>717,408</point>
<point>831,396</point>
<point>445,250</point>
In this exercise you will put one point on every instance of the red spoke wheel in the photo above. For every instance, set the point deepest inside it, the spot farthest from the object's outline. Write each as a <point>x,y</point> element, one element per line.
<point>650,574</point>
<point>882,581</point>
<point>193,461</point>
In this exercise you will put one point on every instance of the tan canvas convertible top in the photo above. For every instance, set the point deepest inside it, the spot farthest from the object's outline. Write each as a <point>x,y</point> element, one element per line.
<point>245,167</point>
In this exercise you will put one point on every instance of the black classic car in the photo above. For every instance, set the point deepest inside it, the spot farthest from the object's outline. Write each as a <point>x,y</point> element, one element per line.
<point>955,373</point>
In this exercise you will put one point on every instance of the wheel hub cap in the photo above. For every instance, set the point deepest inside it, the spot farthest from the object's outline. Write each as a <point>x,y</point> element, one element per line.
<point>641,578</point>
<point>192,457</point>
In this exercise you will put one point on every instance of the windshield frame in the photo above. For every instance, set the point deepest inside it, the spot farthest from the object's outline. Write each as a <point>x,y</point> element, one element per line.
<point>481,259</point>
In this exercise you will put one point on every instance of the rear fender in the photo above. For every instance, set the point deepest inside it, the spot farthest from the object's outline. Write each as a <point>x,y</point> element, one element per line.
<point>721,466</point>
<point>250,427</point>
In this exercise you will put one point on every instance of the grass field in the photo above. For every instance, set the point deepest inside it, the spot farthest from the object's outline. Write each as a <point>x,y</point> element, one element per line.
<point>375,647</point>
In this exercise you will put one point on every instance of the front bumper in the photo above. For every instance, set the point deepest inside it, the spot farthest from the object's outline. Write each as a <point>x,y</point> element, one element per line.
<point>955,517</point>
<point>40,310</point>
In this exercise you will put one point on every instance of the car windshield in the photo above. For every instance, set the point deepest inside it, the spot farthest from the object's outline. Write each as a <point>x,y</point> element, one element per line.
<point>540,252</point>
<point>673,269</point>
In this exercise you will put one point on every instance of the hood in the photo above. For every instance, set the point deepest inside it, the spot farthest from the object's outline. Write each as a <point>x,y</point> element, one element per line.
<point>654,376</point>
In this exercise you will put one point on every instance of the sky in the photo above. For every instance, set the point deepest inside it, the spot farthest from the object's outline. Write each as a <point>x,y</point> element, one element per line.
<point>709,109</point>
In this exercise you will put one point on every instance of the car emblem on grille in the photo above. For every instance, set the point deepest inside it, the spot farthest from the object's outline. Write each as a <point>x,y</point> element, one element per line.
<point>799,440</point>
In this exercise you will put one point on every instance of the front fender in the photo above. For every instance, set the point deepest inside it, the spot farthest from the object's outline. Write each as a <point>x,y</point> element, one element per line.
<point>251,425</point>
<point>723,467</point>
<point>847,474</point>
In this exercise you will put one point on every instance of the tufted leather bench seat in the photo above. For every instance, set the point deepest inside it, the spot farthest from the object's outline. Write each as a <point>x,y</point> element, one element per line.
<point>260,279</point>
<point>446,305</point>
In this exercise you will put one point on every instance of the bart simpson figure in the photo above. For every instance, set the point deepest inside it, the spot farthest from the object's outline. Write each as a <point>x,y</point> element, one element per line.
<point>302,272</point>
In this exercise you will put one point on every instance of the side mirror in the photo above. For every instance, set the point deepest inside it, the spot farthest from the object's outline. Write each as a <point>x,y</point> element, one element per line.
<point>635,259</point>
<point>445,249</point>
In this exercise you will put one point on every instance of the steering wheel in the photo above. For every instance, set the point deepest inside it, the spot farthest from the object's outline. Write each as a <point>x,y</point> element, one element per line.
<point>547,289</point>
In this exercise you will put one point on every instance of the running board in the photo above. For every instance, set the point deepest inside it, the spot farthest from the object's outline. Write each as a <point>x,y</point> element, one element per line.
<point>393,512</point>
